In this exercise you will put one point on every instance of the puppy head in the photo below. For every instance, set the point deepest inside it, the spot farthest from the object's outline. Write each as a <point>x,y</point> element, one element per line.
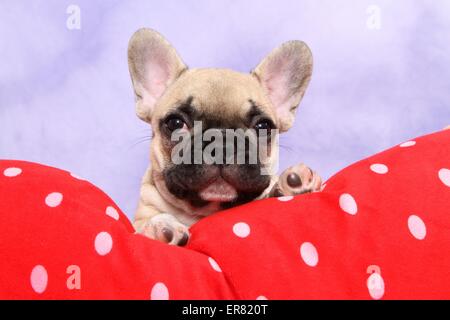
<point>173,98</point>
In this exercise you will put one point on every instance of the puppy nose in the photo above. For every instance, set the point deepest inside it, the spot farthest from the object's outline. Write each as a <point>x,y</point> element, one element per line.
<point>235,146</point>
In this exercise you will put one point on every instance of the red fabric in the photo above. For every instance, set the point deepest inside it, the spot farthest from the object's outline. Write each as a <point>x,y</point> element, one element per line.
<point>369,234</point>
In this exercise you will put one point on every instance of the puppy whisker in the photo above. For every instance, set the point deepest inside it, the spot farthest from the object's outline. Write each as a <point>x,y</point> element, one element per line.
<point>140,140</point>
<point>288,148</point>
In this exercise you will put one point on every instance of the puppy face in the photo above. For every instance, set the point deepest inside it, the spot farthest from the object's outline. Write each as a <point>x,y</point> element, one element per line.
<point>173,99</point>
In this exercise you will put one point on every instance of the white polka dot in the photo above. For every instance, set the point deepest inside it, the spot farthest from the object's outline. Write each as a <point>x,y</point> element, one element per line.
<point>12,172</point>
<point>112,212</point>
<point>417,227</point>
<point>348,204</point>
<point>261,298</point>
<point>214,264</point>
<point>39,279</point>
<point>159,292</point>
<point>241,229</point>
<point>77,177</point>
<point>408,144</point>
<point>54,199</point>
<point>375,285</point>
<point>444,175</point>
<point>285,198</point>
<point>103,243</point>
<point>309,254</point>
<point>379,168</point>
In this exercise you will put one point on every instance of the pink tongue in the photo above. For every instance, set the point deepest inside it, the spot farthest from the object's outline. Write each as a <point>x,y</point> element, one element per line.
<point>219,191</point>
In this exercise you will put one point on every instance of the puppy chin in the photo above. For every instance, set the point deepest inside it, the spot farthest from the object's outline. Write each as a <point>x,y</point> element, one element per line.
<point>219,191</point>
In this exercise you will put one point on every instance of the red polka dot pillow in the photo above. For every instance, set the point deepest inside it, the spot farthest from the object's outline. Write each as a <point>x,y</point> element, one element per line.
<point>379,230</point>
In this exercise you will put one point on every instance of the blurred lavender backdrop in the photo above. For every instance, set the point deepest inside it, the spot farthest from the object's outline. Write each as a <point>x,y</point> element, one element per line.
<point>382,75</point>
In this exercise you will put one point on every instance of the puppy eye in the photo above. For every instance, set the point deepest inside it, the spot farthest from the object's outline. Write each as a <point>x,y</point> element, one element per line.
<point>264,124</point>
<point>174,123</point>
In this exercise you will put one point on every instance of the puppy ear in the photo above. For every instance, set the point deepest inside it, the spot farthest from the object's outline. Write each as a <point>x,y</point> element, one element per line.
<point>284,75</point>
<point>154,65</point>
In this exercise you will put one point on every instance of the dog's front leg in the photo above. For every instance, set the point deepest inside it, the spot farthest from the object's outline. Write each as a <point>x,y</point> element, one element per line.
<point>295,180</point>
<point>155,224</point>
<point>163,227</point>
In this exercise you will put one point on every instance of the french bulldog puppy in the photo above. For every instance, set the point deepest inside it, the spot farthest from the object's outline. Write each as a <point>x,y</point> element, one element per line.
<point>172,98</point>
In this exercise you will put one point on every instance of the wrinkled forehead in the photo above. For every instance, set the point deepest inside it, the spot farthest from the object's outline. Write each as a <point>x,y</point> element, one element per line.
<point>222,93</point>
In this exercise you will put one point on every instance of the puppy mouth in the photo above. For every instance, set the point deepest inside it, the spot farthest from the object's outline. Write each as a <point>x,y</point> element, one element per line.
<point>227,186</point>
<point>218,191</point>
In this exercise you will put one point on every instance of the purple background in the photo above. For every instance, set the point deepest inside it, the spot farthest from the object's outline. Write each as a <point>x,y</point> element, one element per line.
<point>66,97</point>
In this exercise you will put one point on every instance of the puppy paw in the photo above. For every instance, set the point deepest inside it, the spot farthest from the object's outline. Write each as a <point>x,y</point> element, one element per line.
<point>166,228</point>
<point>295,180</point>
